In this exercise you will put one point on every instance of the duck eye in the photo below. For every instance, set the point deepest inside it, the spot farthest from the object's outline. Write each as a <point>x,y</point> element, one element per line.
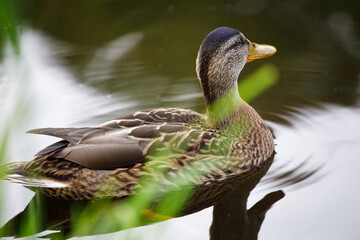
<point>238,42</point>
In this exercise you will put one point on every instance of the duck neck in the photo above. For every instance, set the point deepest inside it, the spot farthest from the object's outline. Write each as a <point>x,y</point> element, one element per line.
<point>224,106</point>
<point>218,79</point>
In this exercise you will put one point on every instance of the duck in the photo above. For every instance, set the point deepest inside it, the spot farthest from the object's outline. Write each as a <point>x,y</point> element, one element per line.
<point>162,144</point>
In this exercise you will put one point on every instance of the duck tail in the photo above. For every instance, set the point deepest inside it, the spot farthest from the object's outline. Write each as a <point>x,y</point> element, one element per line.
<point>12,168</point>
<point>16,173</point>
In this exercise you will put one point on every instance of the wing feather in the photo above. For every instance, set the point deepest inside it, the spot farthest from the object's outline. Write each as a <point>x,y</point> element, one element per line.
<point>72,135</point>
<point>123,141</point>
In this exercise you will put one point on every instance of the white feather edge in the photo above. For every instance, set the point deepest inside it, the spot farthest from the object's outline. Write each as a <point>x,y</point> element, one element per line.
<point>36,182</point>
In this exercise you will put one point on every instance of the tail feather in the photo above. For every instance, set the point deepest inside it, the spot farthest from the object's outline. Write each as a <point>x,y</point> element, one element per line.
<point>12,168</point>
<point>35,182</point>
<point>15,172</point>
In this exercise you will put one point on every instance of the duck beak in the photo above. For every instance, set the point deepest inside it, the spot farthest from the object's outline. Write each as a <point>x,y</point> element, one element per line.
<point>258,51</point>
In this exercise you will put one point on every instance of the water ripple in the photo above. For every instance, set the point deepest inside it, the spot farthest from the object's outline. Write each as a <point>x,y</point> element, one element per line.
<point>305,148</point>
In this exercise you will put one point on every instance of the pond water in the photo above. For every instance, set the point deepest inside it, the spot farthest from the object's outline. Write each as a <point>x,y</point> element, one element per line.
<point>82,63</point>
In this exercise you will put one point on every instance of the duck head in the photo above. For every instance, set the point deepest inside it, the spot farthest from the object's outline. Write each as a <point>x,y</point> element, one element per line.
<point>221,57</point>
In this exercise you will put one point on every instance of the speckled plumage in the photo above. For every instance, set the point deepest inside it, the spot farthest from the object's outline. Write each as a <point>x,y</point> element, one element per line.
<point>162,144</point>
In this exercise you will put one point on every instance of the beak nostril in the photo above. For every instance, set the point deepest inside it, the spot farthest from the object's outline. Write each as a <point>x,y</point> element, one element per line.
<point>258,51</point>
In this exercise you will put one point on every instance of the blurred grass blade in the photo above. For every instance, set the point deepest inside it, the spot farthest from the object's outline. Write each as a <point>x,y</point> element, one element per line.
<point>8,24</point>
<point>255,84</point>
<point>33,218</point>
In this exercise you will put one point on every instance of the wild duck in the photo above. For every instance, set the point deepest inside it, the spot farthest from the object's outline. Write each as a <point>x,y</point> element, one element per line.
<point>108,160</point>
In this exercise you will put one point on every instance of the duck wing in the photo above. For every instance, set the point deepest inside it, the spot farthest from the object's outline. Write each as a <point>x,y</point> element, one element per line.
<point>124,141</point>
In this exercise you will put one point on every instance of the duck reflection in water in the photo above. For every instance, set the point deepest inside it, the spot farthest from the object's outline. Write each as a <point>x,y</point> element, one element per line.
<point>221,156</point>
<point>231,218</point>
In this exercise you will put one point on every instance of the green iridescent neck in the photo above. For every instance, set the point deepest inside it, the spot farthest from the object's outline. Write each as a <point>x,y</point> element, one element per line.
<point>225,106</point>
